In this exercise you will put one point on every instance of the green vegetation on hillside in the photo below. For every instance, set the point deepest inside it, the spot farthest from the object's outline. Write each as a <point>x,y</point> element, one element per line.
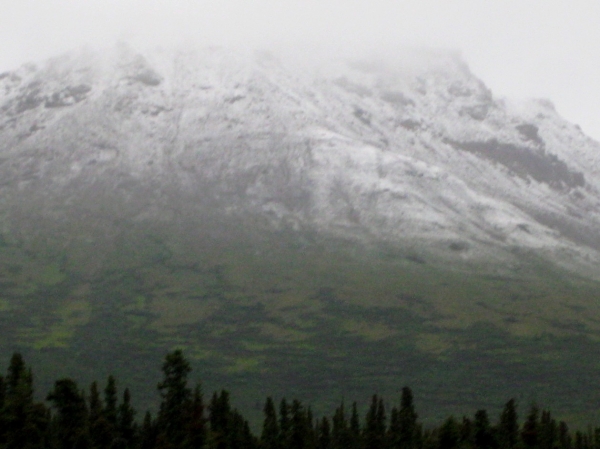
<point>292,314</point>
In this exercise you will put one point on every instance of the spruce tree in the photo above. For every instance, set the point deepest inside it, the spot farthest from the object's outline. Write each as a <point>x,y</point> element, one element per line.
<point>71,418</point>
<point>110,402</point>
<point>340,434</point>
<point>176,398</point>
<point>449,434</point>
<point>508,427</point>
<point>16,371</point>
<point>239,435</point>
<point>196,432</point>
<point>101,432</point>
<point>126,419</point>
<point>580,441</point>
<point>3,418</point>
<point>323,434</point>
<point>393,434</point>
<point>269,438</point>
<point>284,424</point>
<point>299,432</point>
<point>311,439</point>
<point>374,431</point>
<point>483,437</point>
<point>596,437</point>
<point>466,432</point>
<point>236,437</point>
<point>249,441</point>
<point>564,437</point>
<point>548,432</point>
<point>430,439</point>
<point>221,420</point>
<point>529,433</point>
<point>354,441</point>
<point>148,433</point>
<point>381,419</point>
<point>409,428</point>
<point>24,422</point>
<point>95,403</point>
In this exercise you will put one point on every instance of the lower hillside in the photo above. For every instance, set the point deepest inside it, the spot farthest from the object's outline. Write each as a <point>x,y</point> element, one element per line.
<point>291,314</point>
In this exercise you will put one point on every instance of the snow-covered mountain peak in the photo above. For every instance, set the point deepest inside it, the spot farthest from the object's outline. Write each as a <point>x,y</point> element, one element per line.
<point>413,148</point>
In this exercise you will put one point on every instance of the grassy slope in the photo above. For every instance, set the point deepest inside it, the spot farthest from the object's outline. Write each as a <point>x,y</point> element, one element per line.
<point>291,315</point>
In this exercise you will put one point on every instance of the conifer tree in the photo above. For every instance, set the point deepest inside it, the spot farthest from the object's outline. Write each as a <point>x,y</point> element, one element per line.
<point>529,433</point>
<point>284,424</point>
<point>323,434</point>
<point>239,435</point>
<point>375,429</point>
<point>354,441</point>
<point>197,432</point>
<point>596,437</point>
<point>580,441</point>
<point>221,420</point>
<point>508,427</point>
<point>381,419</point>
<point>564,437</point>
<point>24,422</point>
<point>176,398</point>
<point>466,430</point>
<point>101,432</point>
<point>2,391</point>
<point>110,401</point>
<point>249,441</point>
<point>148,433</point>
<point>354,419</point>
<point>235,437</point>
<point>95,403</point>
<point>16,371</point>
<point>126,419</point>
<point>340,434</point>
<point>70,422</point>
<point>393,434</point>
<point>409,428</point>
<point>269,438</point>
<point>3,421</point>
<point>483,437</point>
<point>449,434</point>
<point>299,431</point>
<point>311,439</point>
<point>430,439</point>
<point>548,431</point>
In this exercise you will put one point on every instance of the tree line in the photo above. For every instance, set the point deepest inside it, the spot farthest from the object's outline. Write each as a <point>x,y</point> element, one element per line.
<point>98,418</point>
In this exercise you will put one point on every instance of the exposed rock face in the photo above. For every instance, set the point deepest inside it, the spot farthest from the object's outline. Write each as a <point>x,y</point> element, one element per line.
<point>416,150</point>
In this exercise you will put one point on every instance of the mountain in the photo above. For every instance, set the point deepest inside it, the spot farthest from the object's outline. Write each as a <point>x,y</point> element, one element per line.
<point>333,227</point>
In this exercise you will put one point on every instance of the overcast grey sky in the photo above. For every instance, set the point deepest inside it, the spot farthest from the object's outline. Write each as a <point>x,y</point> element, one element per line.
<point>520,48</point>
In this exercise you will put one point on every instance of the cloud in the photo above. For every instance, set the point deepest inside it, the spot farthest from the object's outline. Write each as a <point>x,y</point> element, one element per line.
<point>35,27</point>
<point>519,48</point>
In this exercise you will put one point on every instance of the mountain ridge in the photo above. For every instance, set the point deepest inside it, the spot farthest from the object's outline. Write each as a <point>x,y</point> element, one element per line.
<point>426,149</point>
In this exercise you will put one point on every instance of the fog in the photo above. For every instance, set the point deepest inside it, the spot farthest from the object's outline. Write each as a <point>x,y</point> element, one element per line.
<point>534,48</point>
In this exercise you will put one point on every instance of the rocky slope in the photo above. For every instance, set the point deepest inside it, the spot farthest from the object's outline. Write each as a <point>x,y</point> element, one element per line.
<point>411,150</point>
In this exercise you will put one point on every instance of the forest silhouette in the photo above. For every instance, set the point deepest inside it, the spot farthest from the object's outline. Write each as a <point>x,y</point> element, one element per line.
<point>72,417</point>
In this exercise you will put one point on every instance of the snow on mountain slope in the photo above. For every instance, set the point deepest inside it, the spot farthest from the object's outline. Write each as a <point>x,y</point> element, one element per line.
<point>411,150</point>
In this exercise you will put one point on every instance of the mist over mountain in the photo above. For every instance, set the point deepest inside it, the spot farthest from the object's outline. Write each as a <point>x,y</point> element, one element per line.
<point>412,150</point>
<point>208,198</point>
